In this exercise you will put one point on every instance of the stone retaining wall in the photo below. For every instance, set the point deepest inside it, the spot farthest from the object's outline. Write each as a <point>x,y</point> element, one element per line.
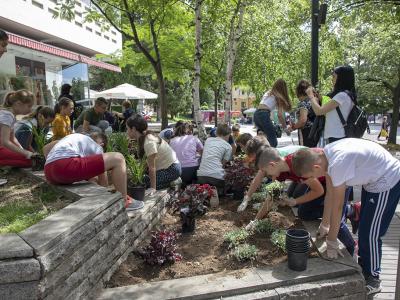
<point>73,252</point>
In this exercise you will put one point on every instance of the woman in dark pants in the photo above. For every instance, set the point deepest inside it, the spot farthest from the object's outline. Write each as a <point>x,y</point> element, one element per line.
<point>275,99</point>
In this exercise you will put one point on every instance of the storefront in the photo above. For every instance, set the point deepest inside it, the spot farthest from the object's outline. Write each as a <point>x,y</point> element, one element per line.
<point>42,69</point>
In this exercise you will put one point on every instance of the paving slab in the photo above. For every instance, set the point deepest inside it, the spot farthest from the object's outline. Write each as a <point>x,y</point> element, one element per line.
<point>13,246</point>
<point>50,231</point>
<point>229,283</point>
<point>20,270</point>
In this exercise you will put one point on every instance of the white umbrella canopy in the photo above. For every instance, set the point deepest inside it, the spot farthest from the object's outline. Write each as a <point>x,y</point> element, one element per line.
<point>250,111</point>
<point>126,91</point>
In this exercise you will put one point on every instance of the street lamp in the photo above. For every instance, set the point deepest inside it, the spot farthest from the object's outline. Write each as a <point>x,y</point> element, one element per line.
<point>318,17</point>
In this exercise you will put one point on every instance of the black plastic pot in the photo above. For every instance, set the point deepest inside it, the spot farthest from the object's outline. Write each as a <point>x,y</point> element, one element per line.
<point>136,192</point>
<point>188,221</point>
<point>38,162</point>
<point>238,194</point>
<point>297,248</point>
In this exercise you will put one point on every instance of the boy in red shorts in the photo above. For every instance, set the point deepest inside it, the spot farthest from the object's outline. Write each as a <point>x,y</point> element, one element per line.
<point>78,157</point>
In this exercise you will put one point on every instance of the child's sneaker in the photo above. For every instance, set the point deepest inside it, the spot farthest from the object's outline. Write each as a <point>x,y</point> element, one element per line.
<point>355,217</point>
<point>372,284</point>
<point>132,204</point>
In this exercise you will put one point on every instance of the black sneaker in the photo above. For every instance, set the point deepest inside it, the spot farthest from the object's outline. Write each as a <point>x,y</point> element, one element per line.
<point>372,285</point>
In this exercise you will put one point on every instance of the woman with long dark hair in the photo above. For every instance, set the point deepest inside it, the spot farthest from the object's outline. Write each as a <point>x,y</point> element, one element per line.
<point>162,163</point>
<point>275,99</point>
<point>343,97</point>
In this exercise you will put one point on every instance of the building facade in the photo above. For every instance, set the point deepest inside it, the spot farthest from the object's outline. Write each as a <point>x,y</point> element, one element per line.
<point>45,52</point>
<point>241,99</point>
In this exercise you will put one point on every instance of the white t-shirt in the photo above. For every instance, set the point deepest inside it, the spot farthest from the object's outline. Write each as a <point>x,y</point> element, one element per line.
<point>25,122</point>
<point>215,151</point>
<point>269,100</point>
<point>333,126</point>
<point>7,118</point>
<point>74,145</point>
<point>165,155</point>
<point>362,162</point>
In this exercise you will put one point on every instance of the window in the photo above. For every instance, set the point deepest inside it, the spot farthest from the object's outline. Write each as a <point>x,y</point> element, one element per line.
<point>78,3</point>
<point>77,23</point>
<point>77,13</point>
<point>98,24</point>
<point>52,11</point>
<point>54,1</point>
<point>98,33</point>
<point>113,32</point>
<point>89,29</point>
<point>37,4</point>
<point>106,37</point>
<point>243,104</point>
<point>114,41</point>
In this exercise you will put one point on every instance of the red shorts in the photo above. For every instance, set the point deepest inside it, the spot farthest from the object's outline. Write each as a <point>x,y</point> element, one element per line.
<point>74,169</point>
<point>13,159</point>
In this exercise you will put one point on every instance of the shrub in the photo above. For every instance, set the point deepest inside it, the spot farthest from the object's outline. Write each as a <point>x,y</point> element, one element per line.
<point>193,199</point>
<point>245,252</point>
<point>118,142</point>
<point>40,139</point>
<point>275,189</point>
<point>264,226</point>
<point>278,238</point>
<point>136,169</point>
<point>237,175</point>
<point>236,237</point>
<point>162,248</point>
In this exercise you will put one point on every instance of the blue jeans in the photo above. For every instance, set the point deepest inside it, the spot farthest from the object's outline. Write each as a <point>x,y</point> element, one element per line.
<point>262,119</point>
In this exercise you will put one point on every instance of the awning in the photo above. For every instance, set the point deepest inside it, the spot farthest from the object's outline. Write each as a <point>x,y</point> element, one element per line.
<point>39,46</point>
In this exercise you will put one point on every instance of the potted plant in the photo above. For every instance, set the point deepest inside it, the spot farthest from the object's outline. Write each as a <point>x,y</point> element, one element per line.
<point>136,171</point>
<point>40,139</point>
<point>192,203</point>
<point>238,177</point>
<point>162,248</point>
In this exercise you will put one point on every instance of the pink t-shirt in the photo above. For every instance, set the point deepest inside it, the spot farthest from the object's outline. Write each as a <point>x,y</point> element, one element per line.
<point>186,148</point>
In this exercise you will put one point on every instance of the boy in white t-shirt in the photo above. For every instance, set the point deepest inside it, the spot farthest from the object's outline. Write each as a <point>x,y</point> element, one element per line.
<point>216,153</point>
<point>356,162</point>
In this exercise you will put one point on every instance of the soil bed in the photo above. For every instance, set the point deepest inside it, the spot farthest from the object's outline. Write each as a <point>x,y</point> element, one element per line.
<point>25,201</point>
<point>204,252</point>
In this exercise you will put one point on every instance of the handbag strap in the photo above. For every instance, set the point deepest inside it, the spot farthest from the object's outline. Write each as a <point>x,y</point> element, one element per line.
<point>341,116</point>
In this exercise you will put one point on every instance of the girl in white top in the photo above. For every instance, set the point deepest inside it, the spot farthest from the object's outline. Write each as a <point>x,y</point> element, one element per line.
<point>342,94</point>
<point>11,151</point>
<point>163,165</point>
<point>275,99</point>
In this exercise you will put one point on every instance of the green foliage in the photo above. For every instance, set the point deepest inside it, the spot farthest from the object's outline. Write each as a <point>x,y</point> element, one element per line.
<point>40,139</point>
<point>264,226</point>
<point>275,188</point>
<point>236,237</point>
<point>278,238</point>
<point>260,194</point>
<point>245,252</point>
<point>118,142</point>
<point>136,169</point>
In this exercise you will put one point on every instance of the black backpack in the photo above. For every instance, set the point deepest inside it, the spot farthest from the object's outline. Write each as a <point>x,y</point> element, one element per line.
<point>357,121</point>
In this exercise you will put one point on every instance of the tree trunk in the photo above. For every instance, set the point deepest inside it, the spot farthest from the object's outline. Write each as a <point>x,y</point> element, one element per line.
<point>216,98</point>
<point>233,42</point>
<point>163,98</point>
<point>197,68</point>
<point>395,116</point>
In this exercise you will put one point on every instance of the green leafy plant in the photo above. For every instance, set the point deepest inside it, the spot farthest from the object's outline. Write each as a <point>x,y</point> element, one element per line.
<point>260,194</point>
<point>236,237</point>
<point>275,189</point>
<point>40,139</point>
<point>264,226</point>
<point>136,169</point>
<point>119,142</point>
<point>245,252</point>
<point>278,238</point>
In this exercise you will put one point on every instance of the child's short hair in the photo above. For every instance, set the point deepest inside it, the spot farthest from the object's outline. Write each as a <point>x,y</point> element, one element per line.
<point>244,138</point>
<point>100,101</point>
<point>303,160</point>
<point>266,155</point>
<point>236,128</point>
<point>223,130</point>
<point>255,144</point>
<point>99,135</point>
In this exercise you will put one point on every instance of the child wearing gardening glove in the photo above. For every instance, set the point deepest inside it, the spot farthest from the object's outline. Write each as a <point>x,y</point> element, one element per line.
<point>308,192</point>
<point>350,162</point>
<point>11,152</point>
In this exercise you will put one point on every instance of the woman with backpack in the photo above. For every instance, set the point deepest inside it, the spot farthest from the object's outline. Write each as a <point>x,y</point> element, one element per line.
<point>305,116</point>
<point>343,97</point>
<point>275,99</point>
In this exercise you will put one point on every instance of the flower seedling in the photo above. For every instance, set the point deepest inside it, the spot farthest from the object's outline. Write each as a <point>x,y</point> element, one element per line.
<point>162,249</point>
<point>264,226</point>
<point>245,252</point>
<point>237,175</point>
<point>278,238</point>
<point>236,237</point>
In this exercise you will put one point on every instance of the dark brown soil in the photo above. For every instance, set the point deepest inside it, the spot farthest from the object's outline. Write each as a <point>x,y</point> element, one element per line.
<point>204,251</point>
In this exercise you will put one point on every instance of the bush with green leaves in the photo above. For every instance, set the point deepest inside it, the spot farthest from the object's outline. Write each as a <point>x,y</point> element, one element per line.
<point>275,189</point>
<point>264,226</point>
<point>118,142</point>
<point>278,238</point>
<point>245,252</point>
<point>236,237</point>
<point>40,138</point>
<point>136,169</point>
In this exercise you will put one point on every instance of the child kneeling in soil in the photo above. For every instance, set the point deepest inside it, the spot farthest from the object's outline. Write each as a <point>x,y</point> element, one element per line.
<point>78,157</point>
<point>11,152</point>
<point>350,162</point>
<point>280,168</point>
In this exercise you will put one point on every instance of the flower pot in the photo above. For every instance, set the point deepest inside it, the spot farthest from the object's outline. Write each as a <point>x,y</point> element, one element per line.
<point>297,248</point>
<point>136,192</point>
<point>214,200</point>
<point>188,221</point>
<point>38,162</point>
<point>238,194</point>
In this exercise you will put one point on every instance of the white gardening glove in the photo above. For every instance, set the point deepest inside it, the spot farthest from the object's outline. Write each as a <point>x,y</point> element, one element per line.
<point>251,225</point>
<point>244,204</point>
<point>332,249</point>
<point>29,154</point>
<point>322,231</point>
<point>290,201</point>
<point>150,192</point>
